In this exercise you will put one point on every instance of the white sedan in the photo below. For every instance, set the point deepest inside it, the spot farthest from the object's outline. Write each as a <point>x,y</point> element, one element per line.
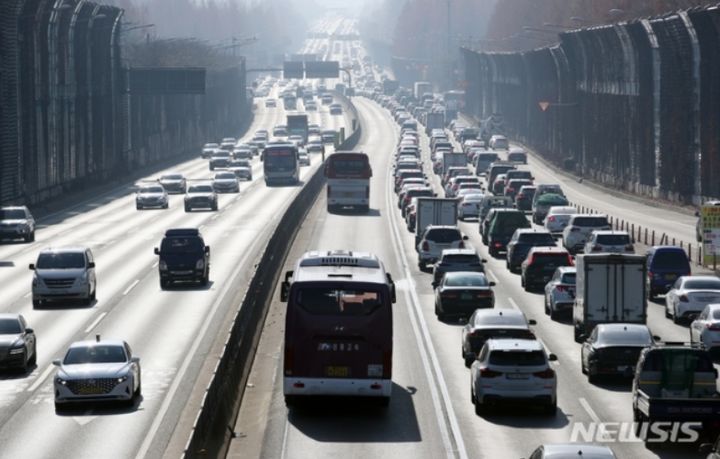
<point>469,205</point>
<point>96,371</point>
<point>706,328</point>
<point>689,295</point>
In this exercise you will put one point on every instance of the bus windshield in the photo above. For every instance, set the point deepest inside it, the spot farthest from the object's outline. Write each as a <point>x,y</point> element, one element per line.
<point>343,302</point>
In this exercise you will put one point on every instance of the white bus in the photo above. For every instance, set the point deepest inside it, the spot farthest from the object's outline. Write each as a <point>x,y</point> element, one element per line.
<point>348,181</point>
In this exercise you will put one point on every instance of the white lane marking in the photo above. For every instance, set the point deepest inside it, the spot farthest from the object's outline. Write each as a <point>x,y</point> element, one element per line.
<point>490,275</point>
<point>180,375</point>
<point>95,322</point>
<point>38,382</point>
<point>588,409</point>
<point>27,295</point>
<point>285,437</point>
<point>155,265</point>
<point>131,286</point>
<point>411,296</point>
<point>85,418</point>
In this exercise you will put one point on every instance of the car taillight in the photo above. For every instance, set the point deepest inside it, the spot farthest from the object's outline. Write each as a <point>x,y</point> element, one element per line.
<point>426,246</point>
<point>545,374</point>
<point>570,261</point>
<point>449,294</point>
<point>498,244</point>
<point>561,288</point>
<point>461,245</point>
<point>683,298</point>
<point>484,294</point>
<point>289,361</point>
<point>551,218</point>
<point>650,274</point>
<point>596,248</point>
<point>510,190</point>
<point>387,364</point>
<point>520,196</point>
<point>488,373</point>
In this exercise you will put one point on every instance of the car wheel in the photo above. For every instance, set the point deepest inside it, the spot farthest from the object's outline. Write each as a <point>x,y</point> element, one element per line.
<point>550,409</point>
<point>675,318</point>
<point>32,361</point>
<point>667,312</point>
<point>93,295</point>
<point>36,303</point>
<point>164,284</point>
<point>30,237</point>
<point>468,361</point>
<point>138,391</point>
<point>250,179</point>
<point>576,333</point>
<point>547,307</point>
<point>187,208</point>
<point>138,207</point>
<point>592,377</point>
<point>553,313</point>
<point>214,207</point>
<point>651,295</point>
<point>205,279</point>
<point>212,168</point>
<point>59,408</point>
<point>166,206</point>
<point>507,265</point>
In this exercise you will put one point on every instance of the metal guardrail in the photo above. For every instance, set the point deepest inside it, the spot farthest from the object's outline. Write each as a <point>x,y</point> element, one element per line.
<point>212,430</point>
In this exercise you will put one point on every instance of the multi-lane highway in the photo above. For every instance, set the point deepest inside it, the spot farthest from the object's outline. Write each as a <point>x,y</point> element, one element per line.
<point>430,414</point>
<point>171,331</point>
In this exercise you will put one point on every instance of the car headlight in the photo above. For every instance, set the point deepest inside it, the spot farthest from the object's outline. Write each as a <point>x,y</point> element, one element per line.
<point>59,380</point>
<point>35,280</point>
<point>122,379</point>
<point>84,276</point>
<point>163,266</point>
<point>200,264</point>
<point>17,351</point>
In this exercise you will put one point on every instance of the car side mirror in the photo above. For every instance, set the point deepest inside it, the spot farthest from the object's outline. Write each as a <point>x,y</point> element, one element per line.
<point>31,266</point>
<point>91,264</point>
<point>552,358</point>
<point>56,362</point>
<point>657,338</point>
<point>484,260</point>
<point>697,214</point>
<point>135,359</point>
<point>207,249</point>
<point>157,251</point>
<point>492,284</point>
<point>29,331</point>
<point>532,322</point>
<point>465,238</point>
<point>284,291</point>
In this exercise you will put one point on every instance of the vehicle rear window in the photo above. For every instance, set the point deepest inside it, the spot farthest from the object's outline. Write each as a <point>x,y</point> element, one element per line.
<point>674,259</point>
<point>331,301</point>
<point>415,192</point>
<point>591,221</point>
<point>508,222</point>
<point>516,333</point>
<point>181,245</point>
<point>680,362</point>
<point>516,156</point>
<point>705,284</point>
<point>69,260</point>
<point>613,239</point>
<point>443,235</point>
<point>558,259</point>
<point>12,214</point>
<point>467,280</point>
<point>10,327</point>
<point>461,259</point>
<point>518,358</point>
<point>537,238</point>
<point>568,278</point>
<point>626,338</point>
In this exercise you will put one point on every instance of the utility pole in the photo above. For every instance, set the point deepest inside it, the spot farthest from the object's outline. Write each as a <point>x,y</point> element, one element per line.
<point>449,50</point>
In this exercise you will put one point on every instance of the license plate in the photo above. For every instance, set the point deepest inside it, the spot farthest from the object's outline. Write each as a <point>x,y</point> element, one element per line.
<point>89,390</point>
<point>517,376</point>
<point>623,368</point>
<point>466,296</point>
<point>669,276</point>
<point>337,372</point>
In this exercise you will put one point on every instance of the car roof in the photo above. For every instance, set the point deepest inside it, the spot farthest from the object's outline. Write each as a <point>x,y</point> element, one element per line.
<point>513,344</point>
<point>532,230</point>
<point>579,450</point>
<point>699,277</point>
<point>13,208</point>
<point>562,210</point>
<point>429,227</point>
<point>102,342</point>
<point>610,232</point>
<point>9,315</point>
<point>459,252</point>
<point>663,248</point>
<point>567,269</point>
<point>66,249</point>
<point>328,264</point>
<point>586,215</point>
<point>620,327</point>
<point>548,250</point>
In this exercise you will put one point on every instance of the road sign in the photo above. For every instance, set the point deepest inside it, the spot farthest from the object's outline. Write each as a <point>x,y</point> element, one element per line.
<point>710,229</point>
<point>322,69</point>
<point>293,69</point>
<point>544,105</point>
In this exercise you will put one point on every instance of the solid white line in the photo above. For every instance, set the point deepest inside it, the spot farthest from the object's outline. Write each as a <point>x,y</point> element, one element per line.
<point>515,306</point>
<point>131,286</point>
<point>155,265</point>
<point>411,296</point>
<point>38,382</point>
<point>284,440</point>
<point>588,409</point>
<point>95,322</point>
<point>490,275</point>
<point>27,295</point>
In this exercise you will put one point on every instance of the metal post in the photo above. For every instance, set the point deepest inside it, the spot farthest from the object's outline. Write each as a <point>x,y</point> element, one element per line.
<point>653,237</point>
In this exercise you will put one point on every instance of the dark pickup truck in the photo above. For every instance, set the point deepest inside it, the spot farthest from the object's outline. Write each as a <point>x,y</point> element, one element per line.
<point>676,382</point>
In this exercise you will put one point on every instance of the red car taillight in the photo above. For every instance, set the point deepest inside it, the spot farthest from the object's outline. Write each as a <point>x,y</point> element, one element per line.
<point>449,295</point>
<point>488,373</point>
<point>713,327</point>
<point>551,218</point>
<point>545,374</point>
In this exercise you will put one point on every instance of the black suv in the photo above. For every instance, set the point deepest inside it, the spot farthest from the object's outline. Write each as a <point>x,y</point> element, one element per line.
<point>183,257</point>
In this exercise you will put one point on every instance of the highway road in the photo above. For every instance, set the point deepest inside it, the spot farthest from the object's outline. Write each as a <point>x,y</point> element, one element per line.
<point>171,331</point>
<point>430,414</point>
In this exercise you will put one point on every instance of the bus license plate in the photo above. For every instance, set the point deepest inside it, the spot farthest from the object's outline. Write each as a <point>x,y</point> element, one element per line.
<point>337,372</point>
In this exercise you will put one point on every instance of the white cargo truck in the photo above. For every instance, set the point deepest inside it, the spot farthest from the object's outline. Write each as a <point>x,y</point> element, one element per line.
<point>434,211</point>
<point>454,159</point>
<point>420,88</point>
<point>610,288</point>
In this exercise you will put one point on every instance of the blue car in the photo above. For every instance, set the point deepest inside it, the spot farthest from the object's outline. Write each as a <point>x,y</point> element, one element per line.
<point>664,265</point>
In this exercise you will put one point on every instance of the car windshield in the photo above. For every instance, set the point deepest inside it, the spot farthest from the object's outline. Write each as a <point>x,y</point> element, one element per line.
<point>10,327</point>
<point>12,214</point>
<point>702,284</point>
<point>466,280</point>
<point>61,260</point>
<point>443,235</point>
<point>95,354</point>
<point>613,239</point>
<point>590,221</point>
<point>517,358</point>
<point>636,337</point>
<point>537,238</point>
<point>151,189</point>
<point>673,259</point>
<point>332,301</point>
<point>568,278</point>
<point>181,245</point>
<point>221,154</point>
<point>552,199</point>
<point>200,189</point>
<point>171,177</point>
